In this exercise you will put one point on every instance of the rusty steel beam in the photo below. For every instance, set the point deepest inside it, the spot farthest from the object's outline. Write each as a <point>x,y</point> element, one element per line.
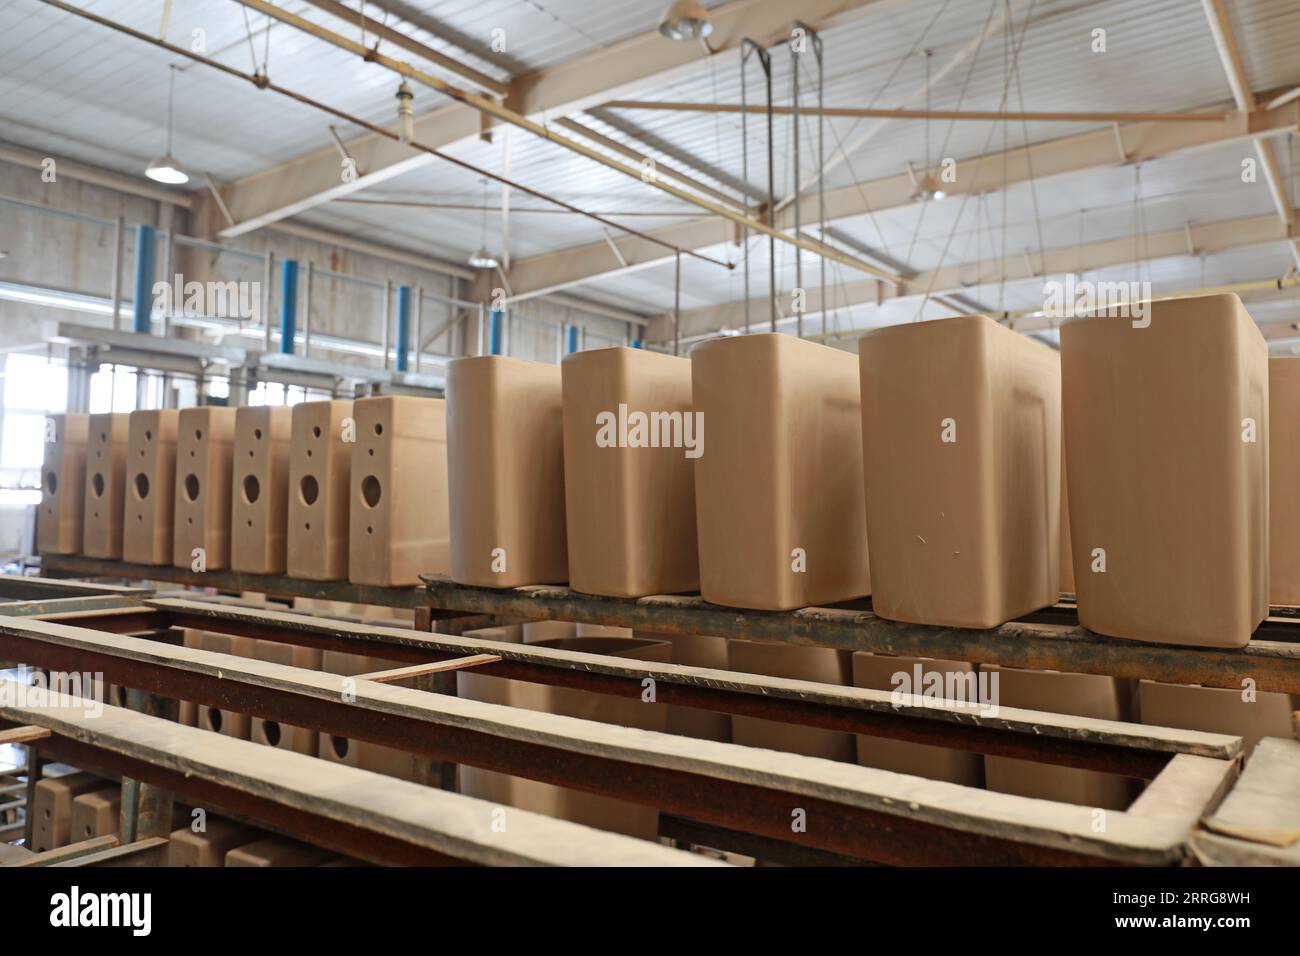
<point>276,585</point>
<point>1272,660</point>
<point>829,707</point>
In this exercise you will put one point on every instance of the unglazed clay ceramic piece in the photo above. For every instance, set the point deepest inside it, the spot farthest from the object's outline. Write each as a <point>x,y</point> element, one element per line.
<point>823,665</point>
<point>628,475</point>
<point>320,468</point>
<point>259,494</point>
<point>208,847</point>
<point>1083,695</point>
<point>59,522</point>
<point>779,492</point>
<point>398,513</point>
<point>961,438</point>
<point>1167,432</point>
<point>52,808</point>
<point>505,454</point>
<point>96,813</point>
<point>105,485</point>
<point>604,813</point>
<point>1217,710</point>
<point>272,733</point>
<point>880,672</point>
<point>1283,475</point>
<point>204,446</point>
<point>150,486</point>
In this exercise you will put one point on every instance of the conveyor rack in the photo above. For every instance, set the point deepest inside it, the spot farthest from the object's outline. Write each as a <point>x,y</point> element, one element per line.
<point>854,812</point>
<point>1047,640</point>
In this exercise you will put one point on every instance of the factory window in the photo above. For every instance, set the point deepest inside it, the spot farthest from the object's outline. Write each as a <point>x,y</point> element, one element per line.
<point>33,389</point>
<point>112,389</point>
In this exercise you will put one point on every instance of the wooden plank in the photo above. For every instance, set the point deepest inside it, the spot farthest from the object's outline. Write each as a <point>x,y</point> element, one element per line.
<point>1213,849</point>
<point>598,757</point>
<point>422,645</point>
<point>22,735</point>
<point>71,851</point>
<point>437,667</point>
<point>459,827</point>
<point>150,851</point>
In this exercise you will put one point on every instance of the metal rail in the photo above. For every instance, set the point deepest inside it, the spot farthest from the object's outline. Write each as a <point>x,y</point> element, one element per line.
<point>856,811</point>
<point>1050,639</point>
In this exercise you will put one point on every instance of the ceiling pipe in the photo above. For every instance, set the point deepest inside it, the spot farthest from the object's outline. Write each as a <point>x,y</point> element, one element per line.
<point>984,116</point>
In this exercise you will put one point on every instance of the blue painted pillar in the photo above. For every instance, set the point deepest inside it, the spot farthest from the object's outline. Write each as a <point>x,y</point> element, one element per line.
<point>496,321</point>
<point>573,340</point>
<point>636,344</point>
<point>288,305</point>
<point>403,326</point>
<point>146,250</point>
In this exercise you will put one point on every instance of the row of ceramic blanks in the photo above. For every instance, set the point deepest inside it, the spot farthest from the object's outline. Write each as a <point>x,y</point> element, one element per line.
<point>765,472</point>
<point>263,490</point>
<point>1084,695</point>
<point>929,471</point>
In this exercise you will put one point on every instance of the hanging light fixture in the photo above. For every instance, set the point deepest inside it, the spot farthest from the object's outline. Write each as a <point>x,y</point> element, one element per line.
<point>166,169</point>
<point>405,113</point>
<point>686,20</point>
<point>484,259</point>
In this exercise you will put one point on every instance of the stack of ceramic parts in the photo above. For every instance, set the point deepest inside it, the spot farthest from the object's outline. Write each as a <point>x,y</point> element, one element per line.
<point>821,665</point>
<point>505,451</point>
<point>320,469</point>
<point>1083,695</point>
<point>63,485</point>
<point>259,504</point>
<point>398,515</point>
<point>1167,431</point>
<point>1284,475</point>
<point>961,443</point>
<point>105,485</point>
<point>779,488</point>
<point>208,846</point>
<point>202,499</point>
<point>151,486</point>
<point>916,678</point>
<point>1248,714</point>
<point>603,813</point>
<point>52,808</point>
<point>629,441</point>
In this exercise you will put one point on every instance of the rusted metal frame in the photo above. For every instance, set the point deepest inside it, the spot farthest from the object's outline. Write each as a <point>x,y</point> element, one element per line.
<point>17,587</point>
<point>764,848</point>
<point>1272,665</point>
<point>626,680</point>
<point>843,827</point>
<point>277,585</point>
<point>69,605</point>
<point>514,664</point>
<point>339,836</point>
